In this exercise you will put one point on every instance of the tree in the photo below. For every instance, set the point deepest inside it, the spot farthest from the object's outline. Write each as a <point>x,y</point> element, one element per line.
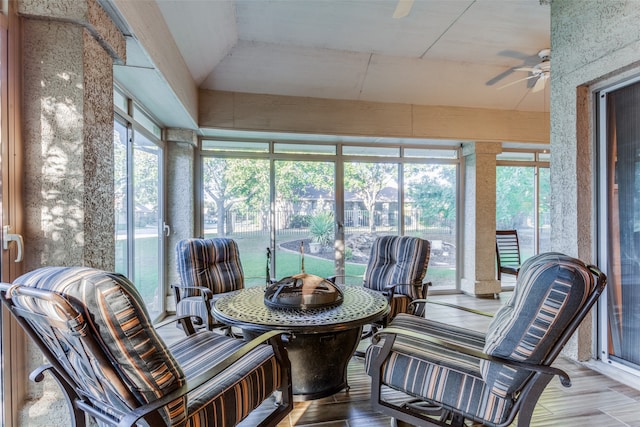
<point>297,181</point>
<point>433,190</point>
<point>228,182</point>
<point>366,181</point>
<point>514,196</point>
<point>146,183</point>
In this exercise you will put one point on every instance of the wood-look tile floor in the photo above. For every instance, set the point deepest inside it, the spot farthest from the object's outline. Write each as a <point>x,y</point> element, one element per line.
<point>592,400</point>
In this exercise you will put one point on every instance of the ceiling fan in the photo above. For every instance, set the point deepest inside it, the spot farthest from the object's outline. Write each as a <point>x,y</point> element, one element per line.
<point>539,73</point>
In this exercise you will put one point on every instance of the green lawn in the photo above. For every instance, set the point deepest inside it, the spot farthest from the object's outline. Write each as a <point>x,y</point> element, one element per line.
<point>253,258</point>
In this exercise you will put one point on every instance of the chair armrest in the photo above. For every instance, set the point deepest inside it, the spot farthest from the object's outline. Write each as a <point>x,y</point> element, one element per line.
<point>510,269</point>
<point>186,321</point>
<point>416,306</point>
<point>275,337</point>
<point>423,286</point>
<point>447,304</point>
<point>542,369</point>
<point>206,293</point>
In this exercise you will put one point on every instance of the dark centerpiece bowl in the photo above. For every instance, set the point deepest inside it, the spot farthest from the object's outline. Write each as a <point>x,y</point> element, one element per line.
<point>302,292</point>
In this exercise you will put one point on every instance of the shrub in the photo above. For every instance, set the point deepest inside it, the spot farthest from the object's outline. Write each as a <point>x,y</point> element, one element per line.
<point>299,221</point>
<point>321,228</point>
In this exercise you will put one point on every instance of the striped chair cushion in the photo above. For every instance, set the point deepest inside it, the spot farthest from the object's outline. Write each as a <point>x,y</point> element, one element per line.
<point>236,391</point>
<point>397,260</point>
<point>115,312</point>
<point>549,291</point>
<point>210,263</point>
<point>431,372</point>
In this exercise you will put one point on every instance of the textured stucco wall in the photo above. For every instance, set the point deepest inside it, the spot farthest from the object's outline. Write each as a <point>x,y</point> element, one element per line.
<point>98,162</point>
<point>53,135</point>
<point>479,218</point>
<point>67,125</point>
<point>180,197</point>
<point>86,13</point>
<point>591,46</point>
<point>69,48</point>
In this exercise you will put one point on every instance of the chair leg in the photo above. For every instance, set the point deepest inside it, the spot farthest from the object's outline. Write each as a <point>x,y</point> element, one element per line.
<point>78,417</point>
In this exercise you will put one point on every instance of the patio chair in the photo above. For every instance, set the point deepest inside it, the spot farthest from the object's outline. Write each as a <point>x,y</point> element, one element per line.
<point>451,375</point>
<point>507,252</point>
<point>397,265</point>
<point>112,365</point>
<point>208,269</point>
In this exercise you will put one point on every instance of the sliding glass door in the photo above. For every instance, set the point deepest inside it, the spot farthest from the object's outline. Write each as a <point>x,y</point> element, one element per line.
<point>523,201</point>
<point>431,211</point>
<point>147,223</point>
<point>619,152</point>
<point>139,213</point>
<point>370,210</point>
<point>304,217</point>
<point>235,194</point>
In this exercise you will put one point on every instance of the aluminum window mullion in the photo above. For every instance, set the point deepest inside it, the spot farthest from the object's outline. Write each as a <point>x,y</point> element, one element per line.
<point>130,203</point>
<point>338,192</point>
<point>272,213</point>
<point>602,212</point>
<point>401,198</point>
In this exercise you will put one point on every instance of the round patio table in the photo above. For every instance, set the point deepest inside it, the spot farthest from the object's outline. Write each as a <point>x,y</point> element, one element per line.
<point>322,339</point>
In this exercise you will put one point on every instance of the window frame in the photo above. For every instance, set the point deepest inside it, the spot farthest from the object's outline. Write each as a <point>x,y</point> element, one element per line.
<point>536,164</point>
<point>129,119</point>
<point>339,159</point>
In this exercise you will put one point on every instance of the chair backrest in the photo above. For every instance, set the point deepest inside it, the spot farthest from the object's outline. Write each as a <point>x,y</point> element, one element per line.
<point>553,293</point>
<point>398,260</point>
<point>507,248</point>
<point>211,263</point>
<point>94,329</point>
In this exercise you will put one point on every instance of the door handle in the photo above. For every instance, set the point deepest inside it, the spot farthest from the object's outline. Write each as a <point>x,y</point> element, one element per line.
<point>166,229</point>
<point>10,237</point>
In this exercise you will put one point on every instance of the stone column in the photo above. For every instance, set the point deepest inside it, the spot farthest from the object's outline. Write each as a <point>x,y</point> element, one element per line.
<point>69,48</point>
<point>479,219</point>
<point>68,56</point>
<point>180,191</point>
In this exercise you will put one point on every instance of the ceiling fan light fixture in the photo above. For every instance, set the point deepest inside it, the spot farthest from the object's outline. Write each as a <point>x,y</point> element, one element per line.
<point>403,8</point>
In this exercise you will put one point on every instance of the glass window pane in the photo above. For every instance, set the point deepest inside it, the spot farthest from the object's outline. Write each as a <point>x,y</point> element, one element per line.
<point>120,139</point>
<point>430,153</point>
<point>239,146</point>
<point>120,101</point>
<point>515,207</point>
<point>304,208</point>
<point>304,149</point>
<point>370,210</point>
<point>544,209</point>
<point>517,156</point>
<point>544,157</point>
<point>622,153</point>
<point>430,213</point>
<point>141,118</point>
<point>352,150</point>
<point>236,205</point>
<point>146,217</point>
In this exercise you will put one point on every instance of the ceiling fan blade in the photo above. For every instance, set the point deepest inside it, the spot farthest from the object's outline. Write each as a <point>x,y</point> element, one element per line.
<point>540,84</point>
<point>500,76</point>
<point>519,55</point>
<point>530,69</point>
<point>403,8</point>
<point>517,81</point>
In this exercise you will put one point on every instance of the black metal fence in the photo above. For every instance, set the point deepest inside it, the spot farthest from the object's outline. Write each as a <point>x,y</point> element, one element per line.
<point>256,223</point>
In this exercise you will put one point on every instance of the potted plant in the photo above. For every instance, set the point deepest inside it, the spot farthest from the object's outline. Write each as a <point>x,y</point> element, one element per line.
<point>321,230</point>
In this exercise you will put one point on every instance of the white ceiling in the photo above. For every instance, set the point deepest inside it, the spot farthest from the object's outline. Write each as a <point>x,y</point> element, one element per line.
<point>445,52</point>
